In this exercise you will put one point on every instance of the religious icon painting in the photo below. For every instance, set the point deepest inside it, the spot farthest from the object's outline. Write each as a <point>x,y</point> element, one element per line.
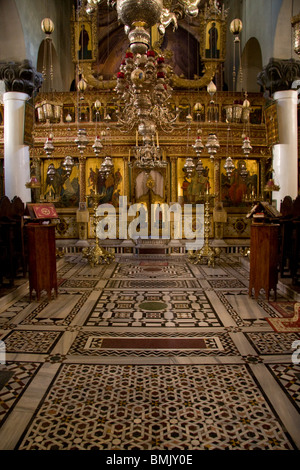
<point>213,40</point>
<point>83,40</point>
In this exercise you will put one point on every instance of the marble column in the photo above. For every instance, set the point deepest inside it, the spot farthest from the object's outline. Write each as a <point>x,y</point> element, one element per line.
<point>285,154</point>
<point>16,154</point>
<point>20,80</point>
<point>277,79</point>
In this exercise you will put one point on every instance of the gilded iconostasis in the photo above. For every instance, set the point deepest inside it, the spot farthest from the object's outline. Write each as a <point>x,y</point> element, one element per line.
<point>99,47</point>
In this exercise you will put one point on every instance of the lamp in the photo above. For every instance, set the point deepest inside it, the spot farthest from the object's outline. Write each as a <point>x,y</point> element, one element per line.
<point>236,27</point>
<point>67,165</point>
<point>82,85</point>
<point>212,145</point>
<point>243,170</point>
<point>81,140</point>
<point>188,167</point>
<point>198,145</point>
<point>97,146</point>
<point>246,147</point>
<point>49,147</point>
<point>229,166</point>
<point>106,166</point>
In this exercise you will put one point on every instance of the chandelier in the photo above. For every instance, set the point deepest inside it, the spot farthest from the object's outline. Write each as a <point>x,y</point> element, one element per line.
<point>144,90</point>
<point>143,81</point>
<point>148,156</point>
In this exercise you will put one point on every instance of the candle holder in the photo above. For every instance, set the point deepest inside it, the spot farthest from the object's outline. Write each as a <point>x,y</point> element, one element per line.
<point>95,254</point>
<point>206,252</point>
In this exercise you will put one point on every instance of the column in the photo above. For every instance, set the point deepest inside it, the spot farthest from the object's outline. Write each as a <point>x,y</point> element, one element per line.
<point>21,80</point>
<point>82,185</point>
<point>285,154</point>
<point>174,190</point>
<point>82,214</point>
<point>217,178</point>
<point>16,154</point>
<point>277,79</point>
<point>262,164</point>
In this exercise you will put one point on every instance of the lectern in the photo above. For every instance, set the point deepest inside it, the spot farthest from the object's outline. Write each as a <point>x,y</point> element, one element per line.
<point>42,259</point>
<point>41,249</point>
<point>264,258</point>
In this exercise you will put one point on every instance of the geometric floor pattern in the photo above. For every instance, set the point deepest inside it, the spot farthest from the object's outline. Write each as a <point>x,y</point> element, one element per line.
<point>154,407</point>
<point>148,353</point>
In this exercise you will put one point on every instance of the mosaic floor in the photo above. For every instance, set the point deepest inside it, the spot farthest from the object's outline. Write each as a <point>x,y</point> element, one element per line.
<point>148,354</point>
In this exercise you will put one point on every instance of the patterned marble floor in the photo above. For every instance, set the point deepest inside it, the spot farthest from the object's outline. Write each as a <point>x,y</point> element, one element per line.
<point>148,354</point>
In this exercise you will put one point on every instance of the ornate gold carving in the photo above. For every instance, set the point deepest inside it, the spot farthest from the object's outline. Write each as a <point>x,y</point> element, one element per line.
<point>210,70</point>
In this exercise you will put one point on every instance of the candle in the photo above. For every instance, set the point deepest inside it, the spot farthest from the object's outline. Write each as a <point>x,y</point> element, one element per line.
<point>157,142</point>
<point>137,138</point>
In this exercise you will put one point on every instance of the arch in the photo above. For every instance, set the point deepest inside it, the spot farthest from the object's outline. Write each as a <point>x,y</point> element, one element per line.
<point>252,64</point>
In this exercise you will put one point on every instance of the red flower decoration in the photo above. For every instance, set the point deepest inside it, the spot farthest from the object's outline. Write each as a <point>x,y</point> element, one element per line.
<point>129,55</point>
<point>120,75</point>
<point>150,54</point>
<point>160,75</point>
<point>160,60</point>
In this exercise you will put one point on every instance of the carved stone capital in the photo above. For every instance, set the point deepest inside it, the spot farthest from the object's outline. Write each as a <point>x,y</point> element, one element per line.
<point>21,77</point>
<point>279,75</point>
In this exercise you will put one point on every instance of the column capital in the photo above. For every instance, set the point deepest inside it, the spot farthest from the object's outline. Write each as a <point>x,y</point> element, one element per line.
<point>21,77</point>
<point>279,75</point>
